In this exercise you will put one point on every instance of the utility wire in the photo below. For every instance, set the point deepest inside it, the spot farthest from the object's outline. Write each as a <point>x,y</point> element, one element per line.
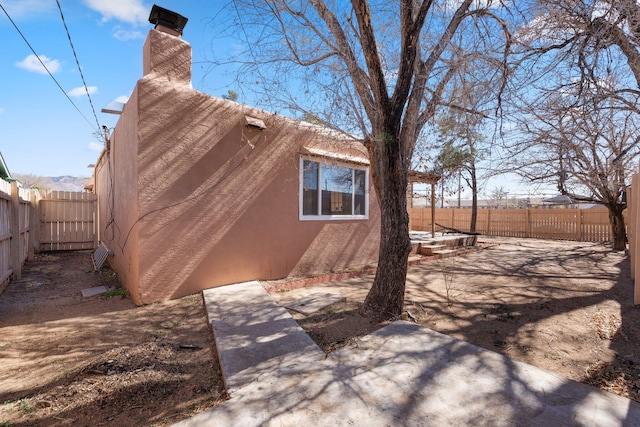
<point>86,89</point>
<point>45,67</point>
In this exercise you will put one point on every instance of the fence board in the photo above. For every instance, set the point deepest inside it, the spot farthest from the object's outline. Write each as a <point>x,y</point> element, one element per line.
<point>14,230</point>
<point>633,234</point>
<point>67,221</point>
<point>5,240</point>
<point>587,225</point>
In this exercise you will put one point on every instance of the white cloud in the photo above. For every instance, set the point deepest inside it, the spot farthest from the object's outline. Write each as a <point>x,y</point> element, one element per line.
<point>451,6</point>
<point>80,91</point>
<point>125,35</point>
<point>546,28</point>
<point>19,9</point>
<point>31,63</point>
<point>95,146</point>
<point>130,11</point>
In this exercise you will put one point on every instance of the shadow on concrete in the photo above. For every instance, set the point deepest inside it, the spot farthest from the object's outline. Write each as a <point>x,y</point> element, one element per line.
<point>402,374</point>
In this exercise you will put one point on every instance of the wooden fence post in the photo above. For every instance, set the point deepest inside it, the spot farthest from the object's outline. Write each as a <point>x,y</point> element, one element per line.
<point>579,225</point>
<point>409,196</point>
<point>95,224</point>
<point>433,210</point>
<point>16,263</point>
<point>32,220</point>
<point>34,224</point>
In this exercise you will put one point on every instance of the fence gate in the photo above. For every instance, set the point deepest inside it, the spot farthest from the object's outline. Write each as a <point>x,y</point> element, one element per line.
<point>67,221</point>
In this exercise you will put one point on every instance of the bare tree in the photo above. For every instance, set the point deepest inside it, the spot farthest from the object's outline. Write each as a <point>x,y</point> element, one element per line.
<point>586,38</point>
<point>498,194</point>
<point>587,148</point>
<point>459,152</point>
<point>376,69</point>
<point>576,93</point>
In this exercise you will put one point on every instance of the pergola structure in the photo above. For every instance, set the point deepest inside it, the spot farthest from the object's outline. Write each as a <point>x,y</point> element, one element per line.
<point>424,178</point>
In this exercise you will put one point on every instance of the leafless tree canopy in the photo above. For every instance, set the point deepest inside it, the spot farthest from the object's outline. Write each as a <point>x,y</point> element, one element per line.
<point>379,69</point>
<point>351,63</point>
<point>579,45</point>
<point>574,100</point>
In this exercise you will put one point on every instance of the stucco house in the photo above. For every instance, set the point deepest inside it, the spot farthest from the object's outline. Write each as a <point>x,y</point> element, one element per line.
<point>4,170</point>
<point>196,192</point>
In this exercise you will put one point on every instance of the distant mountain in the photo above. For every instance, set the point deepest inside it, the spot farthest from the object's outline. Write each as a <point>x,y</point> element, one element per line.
<point>68,183</point>
<point>60,183</point>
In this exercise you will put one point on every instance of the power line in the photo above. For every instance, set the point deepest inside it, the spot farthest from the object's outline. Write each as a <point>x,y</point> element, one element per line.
<point>45,67</point>
<point>84,83</point>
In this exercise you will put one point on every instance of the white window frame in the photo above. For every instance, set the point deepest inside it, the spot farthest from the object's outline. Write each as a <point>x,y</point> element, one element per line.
<point>331,162</point>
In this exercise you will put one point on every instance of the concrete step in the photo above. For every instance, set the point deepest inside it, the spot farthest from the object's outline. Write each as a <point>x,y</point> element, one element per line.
<point>430,249</point>
<point>444,253</point>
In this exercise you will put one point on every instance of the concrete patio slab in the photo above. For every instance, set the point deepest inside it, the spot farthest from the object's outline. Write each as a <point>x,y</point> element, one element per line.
<point>236,300</point>
<point>401,375</point>
<point>261,341</point>
<point>315,302</point>
<point>254,335</point>
<point>416,376</point>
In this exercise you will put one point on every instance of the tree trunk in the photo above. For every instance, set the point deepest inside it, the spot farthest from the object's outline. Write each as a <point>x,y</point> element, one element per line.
<point>617,226</point>
<point>385,299</point>
<point>474,199</point>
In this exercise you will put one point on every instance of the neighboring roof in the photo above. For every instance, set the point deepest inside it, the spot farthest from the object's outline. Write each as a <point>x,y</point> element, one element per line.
<point>562,199</point>
<point>4,170</point>
<point>348,150</point>
<point>466,203</point>
<point>90,183</point>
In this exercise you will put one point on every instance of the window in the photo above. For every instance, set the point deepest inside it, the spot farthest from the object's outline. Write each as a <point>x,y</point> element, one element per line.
<point>333,191</point>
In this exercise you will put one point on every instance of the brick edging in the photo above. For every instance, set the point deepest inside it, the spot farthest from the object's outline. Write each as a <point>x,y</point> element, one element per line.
<point>309,281</point>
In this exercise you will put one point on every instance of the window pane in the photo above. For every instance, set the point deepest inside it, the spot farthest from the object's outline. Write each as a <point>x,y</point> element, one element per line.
<point>337,190</point>
<point>359,193</point>
<point>310,188</point>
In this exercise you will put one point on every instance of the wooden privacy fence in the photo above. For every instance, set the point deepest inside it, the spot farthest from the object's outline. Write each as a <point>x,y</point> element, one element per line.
<point>31,222</point>
<point>67,221</point>
<point>16,237</point>
<point>586,225</point>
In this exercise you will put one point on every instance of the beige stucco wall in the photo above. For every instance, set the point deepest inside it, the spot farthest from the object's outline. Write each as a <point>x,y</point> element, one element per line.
<point>204,200</point>
<point>116,175</point>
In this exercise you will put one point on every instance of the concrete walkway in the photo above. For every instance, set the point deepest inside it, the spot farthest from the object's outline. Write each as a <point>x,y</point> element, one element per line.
<point>401,375</point>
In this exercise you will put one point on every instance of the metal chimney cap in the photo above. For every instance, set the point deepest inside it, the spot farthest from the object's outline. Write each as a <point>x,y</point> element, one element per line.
<point>167,18</point>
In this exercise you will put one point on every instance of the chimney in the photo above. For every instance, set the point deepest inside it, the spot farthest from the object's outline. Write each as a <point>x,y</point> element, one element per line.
<point>167,21</point>
<point>165,54</point>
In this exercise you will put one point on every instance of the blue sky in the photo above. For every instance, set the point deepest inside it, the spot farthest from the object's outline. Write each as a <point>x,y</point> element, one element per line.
<point>41,132</point>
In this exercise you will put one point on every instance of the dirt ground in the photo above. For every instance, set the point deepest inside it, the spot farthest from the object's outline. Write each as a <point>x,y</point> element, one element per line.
<point>566,307</point>
<point>69,360</point>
